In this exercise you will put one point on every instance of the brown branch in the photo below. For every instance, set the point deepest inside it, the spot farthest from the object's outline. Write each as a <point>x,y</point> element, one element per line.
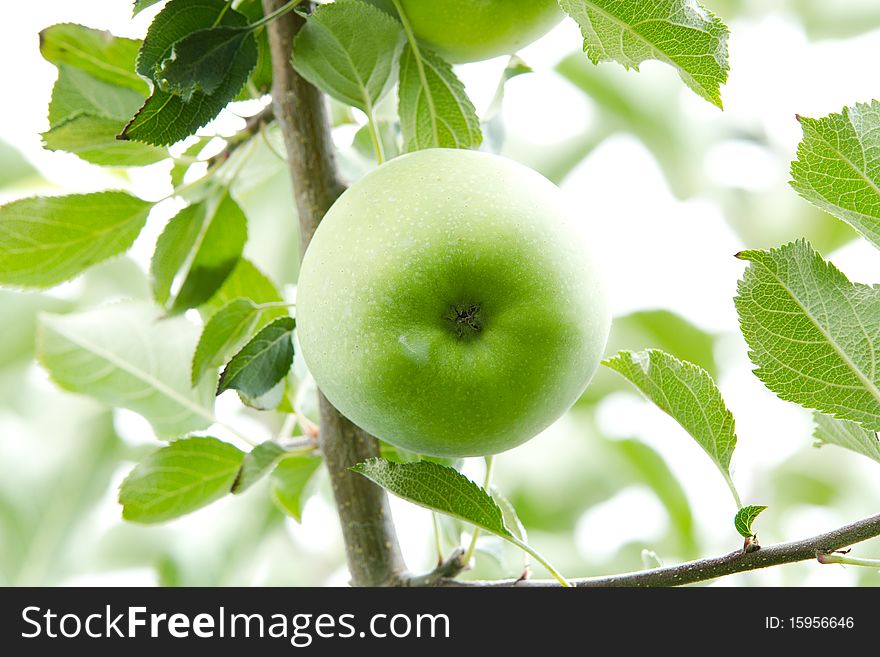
<point>371,546</point>
<point>705,569</point>
<point>446,570</point>
<point>253,125</point>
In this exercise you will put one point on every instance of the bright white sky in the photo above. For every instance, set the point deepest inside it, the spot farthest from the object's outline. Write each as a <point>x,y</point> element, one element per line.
<point>658,251</point>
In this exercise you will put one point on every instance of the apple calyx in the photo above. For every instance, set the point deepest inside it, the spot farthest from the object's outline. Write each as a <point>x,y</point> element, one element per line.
<point>465,320</point>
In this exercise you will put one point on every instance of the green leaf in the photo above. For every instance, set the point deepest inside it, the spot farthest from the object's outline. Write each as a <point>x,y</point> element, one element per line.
<point>261,77</point>
<point>140,5</point>
<point>620,105</point>
<point>744,519</point>
<point>681,33</point>
<point>256,465</point>
<point>652,329</point>
<point>124,356</point>
<point>512,521</point>
<point>181,166</point>
<point>167,118</point>
<point>269,401</point>
<point>688,394</point>
<point>19,311</point>
<point>14,167</point>
<point>493,122</point>
<point>199,247</point>
<point>178,479</point>
<point>263,362</point>
<point>48,240</point>
<point>86,114</point>
<point>93,138</point>
<point>178,19</point>
<point>77,92</point>
<point>838,166</point>
<point>444,489</point>
<point>516,66</point>
<point>439,488</point>
<point>813,335</point>
<point>79,453</point>
<point>651,560</point>
<point>348,49</point>
<point>246,282</point>
<point>649,468</point>
<point>290,480</point>
<point>200,61</point>
<point>226,333</point>
<point>387,132</point>
<point>509,515</point>
<point>435,111</point>
<point>396,454</point>
<point>846,434</point>
<point>671,333</point>
<point>98,53</point>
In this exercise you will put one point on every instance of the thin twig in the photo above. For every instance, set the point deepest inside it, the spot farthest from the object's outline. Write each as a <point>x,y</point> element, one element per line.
<point>253,125</point>
<point>447,569</point>
<point>706,569</point>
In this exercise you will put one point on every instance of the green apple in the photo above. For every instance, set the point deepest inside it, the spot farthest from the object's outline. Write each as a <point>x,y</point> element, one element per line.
<point>448,305</point>
<point>473,30</point>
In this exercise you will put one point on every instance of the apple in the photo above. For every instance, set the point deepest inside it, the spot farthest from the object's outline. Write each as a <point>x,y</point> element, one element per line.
<point>448,305</point>
<point>473,30</point>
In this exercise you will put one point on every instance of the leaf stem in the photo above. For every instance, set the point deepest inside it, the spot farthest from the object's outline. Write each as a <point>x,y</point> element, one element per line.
<point>181,189</point>
<point>187,159</point>
<point>216,163</point>
<point>278,13</point>
<point>265,137</point>
<point>437,545</point>
<point>525,547</point>
<point>824,557</point>
<point>528,549</point>
<point>487,482</point>
<point>308,427</point>
<point>729,480</point>
<point>375,137</point>
<point>222,13</point>
<point>289,425</point>
<point>235,432</point>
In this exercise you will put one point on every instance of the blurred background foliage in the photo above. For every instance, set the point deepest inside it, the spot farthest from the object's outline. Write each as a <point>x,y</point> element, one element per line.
<point>594,492</point>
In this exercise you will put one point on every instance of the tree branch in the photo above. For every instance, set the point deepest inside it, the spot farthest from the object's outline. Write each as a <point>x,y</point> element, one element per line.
<point>705,569</point>
<point>371,545</point>
<point>253,124</point>
<point>445,570</point>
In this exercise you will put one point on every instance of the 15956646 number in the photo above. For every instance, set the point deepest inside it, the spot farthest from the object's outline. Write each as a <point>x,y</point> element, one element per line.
<point>821,622</point>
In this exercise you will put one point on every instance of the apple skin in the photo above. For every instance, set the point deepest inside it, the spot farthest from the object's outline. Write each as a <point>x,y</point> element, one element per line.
<point>447,304</point>
<point>474,30</point>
